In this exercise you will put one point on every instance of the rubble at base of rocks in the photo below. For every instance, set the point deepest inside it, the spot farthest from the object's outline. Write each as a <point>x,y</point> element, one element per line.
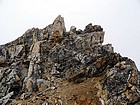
<point>51,66</point>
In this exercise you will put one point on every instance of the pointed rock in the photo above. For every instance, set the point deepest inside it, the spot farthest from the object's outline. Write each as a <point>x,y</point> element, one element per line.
<point>58,27</point>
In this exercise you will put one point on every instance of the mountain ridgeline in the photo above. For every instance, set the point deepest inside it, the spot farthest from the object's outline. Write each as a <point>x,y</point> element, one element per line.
<point>52,66</point>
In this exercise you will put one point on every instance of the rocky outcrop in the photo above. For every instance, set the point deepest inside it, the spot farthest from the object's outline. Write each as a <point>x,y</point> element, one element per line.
<point>51,66</point>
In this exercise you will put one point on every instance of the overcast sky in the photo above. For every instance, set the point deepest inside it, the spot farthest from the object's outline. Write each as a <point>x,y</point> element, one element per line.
<point>119,18</point>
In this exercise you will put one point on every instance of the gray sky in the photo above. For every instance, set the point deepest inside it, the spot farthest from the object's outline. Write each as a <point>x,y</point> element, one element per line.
<point>119,18</point>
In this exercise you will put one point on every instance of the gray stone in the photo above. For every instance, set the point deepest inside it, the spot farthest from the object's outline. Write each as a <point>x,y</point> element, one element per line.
<point>5,99</point>
<point>2,60</point>
<point>72,29</point>
<point>87,59</point>
<point>88,28</point>
<point>19,48</point>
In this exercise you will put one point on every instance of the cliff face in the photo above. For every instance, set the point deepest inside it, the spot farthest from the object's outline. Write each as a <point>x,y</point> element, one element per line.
<point>53,67</point>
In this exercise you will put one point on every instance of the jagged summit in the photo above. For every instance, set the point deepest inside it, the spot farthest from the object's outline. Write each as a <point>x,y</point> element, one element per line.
<point>51,66</point>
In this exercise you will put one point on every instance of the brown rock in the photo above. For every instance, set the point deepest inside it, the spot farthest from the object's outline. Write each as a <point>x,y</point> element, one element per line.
<point>58,26</point>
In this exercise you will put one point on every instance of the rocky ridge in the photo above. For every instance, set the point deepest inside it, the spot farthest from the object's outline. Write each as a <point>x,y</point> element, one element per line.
<point>51,66</point>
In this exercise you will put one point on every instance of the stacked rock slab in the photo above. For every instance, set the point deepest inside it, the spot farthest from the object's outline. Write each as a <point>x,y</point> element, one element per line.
<point>47,67</point>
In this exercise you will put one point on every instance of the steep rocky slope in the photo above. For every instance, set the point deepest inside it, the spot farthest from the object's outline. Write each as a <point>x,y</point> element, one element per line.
<point>51,66</point>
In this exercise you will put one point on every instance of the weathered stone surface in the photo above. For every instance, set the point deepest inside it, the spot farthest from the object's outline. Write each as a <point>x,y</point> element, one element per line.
<point>2,60</point>
<point>58,27</point>
<point>72,29</point>
<point>89,28</point>
<point>50,66</point>
<point>4,100</point>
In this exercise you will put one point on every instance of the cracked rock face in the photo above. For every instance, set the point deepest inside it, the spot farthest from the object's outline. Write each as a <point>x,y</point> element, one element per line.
<point>51,66</point>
